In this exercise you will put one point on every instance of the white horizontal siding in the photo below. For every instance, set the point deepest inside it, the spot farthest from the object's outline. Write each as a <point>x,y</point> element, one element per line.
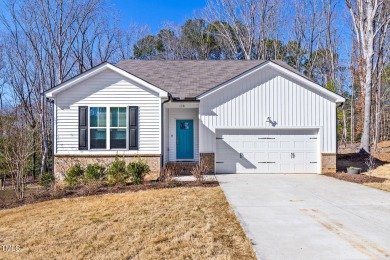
<point>182,114</point>
<point>267,93</point>
<point>107,89</point>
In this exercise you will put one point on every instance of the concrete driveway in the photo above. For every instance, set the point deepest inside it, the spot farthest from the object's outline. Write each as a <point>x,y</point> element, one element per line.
<point>302,216</point>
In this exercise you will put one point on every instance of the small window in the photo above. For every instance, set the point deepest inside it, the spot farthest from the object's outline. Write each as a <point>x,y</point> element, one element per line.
<point>184,125</point>
<point>98,127</point>
<point>118,127</point>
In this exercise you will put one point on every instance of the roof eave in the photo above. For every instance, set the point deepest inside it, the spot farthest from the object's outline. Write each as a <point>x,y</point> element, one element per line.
<point>51,93</point>
<point>333,96</point>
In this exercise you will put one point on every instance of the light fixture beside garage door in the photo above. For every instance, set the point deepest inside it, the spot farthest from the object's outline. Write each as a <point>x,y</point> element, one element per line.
<point>273,123</point>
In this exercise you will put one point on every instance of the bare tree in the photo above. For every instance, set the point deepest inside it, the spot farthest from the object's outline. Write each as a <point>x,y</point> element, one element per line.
<point>381,58</point>
<point>243,27</point>
<point>129,37</point>
<point>236,23</point>
<point>17,146</point>
<point>44,33</point>
<point>364,14</point>
<point>307,30</point>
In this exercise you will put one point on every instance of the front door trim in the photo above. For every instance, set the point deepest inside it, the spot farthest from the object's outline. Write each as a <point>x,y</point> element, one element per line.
<point>184,139</point>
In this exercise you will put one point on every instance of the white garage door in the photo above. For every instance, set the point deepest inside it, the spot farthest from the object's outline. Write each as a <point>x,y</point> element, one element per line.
<point>267,151</point>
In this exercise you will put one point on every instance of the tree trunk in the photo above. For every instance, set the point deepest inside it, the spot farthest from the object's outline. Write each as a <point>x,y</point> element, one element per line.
<point>368,53</point>
<point>34,159</point>
<point>352,113</point>
<point>365,140</point>
<point>344,135</point>
<point>43,133</point>
<point>378,108</point>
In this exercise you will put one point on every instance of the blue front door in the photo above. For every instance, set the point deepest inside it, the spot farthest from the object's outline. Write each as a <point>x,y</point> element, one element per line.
<point>184,139</point>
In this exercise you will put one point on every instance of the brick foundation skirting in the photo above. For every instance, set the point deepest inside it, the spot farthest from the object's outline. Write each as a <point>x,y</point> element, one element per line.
<point>208,160</point>
<point>181,168</point>
<point>63,162</point>
<point>184,168</point>
<point>328,162</point>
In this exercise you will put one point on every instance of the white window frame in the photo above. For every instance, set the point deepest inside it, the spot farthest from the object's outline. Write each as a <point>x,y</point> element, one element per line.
<point>108,127</point>
<point>118,127</point>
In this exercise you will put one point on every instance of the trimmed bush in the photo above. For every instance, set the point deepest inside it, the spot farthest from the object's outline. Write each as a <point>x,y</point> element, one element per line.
<point>46,179</point>
<point>137,171</point>
<point>73,176</point>
<point>117,173</point>
<point>94,172</point>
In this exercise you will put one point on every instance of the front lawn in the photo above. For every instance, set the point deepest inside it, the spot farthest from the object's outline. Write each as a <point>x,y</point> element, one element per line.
<point>195,223</point>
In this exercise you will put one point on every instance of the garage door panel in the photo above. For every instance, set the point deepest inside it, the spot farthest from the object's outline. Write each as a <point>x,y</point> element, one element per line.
<point>248,145</point>
<point>285,156</point>
<point>274,156</point>
<point>260,144</point>
<point>299,168</point>
<point>285,144</point>
<point>299,144</point>
<point>299,156</point>
<point>260,157</point>
<point>268,151</point>
<point>311,145</point>
<point>312,157</point>
<point>262,168</point>
<point>273,145</point>
<point>311,167</point>
<point>222,146</point>
<point>234,144</point>
<point>226,167</point>
<point>274,168</point>
<point>285,167</point>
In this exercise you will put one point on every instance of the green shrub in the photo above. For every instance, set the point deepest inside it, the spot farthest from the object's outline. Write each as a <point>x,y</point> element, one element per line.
<point>73,176</point>
<point>46,179</point>
<point>137,171</point>
<point>94,172</point>
<point>116,173</point>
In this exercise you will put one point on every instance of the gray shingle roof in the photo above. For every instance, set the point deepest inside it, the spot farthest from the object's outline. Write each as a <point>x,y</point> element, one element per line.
<point>188,79</point>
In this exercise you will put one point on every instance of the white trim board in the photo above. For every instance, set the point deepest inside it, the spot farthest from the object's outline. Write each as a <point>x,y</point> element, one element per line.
<point>333,96</point>
<point>98,69</point>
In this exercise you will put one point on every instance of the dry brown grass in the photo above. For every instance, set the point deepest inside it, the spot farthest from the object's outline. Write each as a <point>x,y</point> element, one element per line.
<point>381,172</point>
<point>350,157</point>
<point>180,223</point>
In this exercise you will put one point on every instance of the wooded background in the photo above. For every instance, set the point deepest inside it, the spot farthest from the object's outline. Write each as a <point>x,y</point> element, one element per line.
<point>343,45</point>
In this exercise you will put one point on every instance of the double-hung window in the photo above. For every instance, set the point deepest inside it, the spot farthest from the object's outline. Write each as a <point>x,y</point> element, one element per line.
<point>98,126</point>
<point>118,127</point>
<point>108,127</point>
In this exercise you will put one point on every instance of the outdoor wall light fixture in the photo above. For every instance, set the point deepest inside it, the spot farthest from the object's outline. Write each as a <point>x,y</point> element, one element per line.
<point>273,123</point>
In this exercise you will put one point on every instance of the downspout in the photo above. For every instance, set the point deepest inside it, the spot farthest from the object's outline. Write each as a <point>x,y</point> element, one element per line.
<point>52,134</point>
<point>162,132</point>
<point>337,141</point>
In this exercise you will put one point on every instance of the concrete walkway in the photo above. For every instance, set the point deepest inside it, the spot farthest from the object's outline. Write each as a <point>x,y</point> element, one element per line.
<point>298,216</point>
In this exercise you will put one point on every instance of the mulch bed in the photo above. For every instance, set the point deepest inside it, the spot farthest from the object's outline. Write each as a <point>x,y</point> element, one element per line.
<point>356,178</point>
<point>90,190</point>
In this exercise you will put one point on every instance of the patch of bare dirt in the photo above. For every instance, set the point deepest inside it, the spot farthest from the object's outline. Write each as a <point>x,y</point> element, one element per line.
<point>356,178</point>
<point>376,176</point>
<point>8,199</point>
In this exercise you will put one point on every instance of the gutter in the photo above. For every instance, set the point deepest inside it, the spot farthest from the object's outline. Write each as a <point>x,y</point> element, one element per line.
<point>338,105</point>
<point>50,101</point>
<point>162,131</point>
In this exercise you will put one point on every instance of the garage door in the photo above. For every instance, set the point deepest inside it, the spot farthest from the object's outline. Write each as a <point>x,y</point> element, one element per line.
<point>267,151</point>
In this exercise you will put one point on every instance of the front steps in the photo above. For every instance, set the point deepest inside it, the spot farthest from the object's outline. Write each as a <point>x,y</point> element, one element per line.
<point>181,168</point>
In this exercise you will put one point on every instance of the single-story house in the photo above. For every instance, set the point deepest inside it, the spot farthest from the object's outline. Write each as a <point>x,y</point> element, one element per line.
<point>230,116</point>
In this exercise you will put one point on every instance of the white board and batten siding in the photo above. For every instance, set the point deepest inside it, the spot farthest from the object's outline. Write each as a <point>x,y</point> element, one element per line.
<point>109,89</point>
<point>246,104</point>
